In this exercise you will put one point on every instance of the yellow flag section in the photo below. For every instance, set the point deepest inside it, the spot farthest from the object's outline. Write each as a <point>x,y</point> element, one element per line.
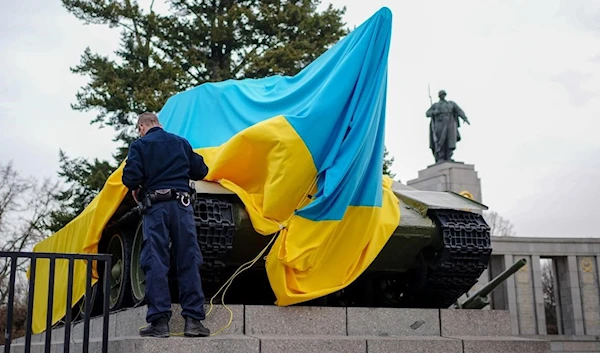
<point>80,236</point>
<point>309,258</point>
<point>268,166</point>
<point>315,258</point>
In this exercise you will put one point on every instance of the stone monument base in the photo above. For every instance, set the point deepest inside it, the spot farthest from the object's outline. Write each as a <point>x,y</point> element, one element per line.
<point>272,329</point>
<point>449,176</point>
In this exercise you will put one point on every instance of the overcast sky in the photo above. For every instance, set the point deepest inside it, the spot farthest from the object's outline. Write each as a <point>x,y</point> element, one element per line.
<point>526,73</point>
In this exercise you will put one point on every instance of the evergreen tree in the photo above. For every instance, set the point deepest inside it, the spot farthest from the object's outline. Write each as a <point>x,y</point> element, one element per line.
<point>387,164</point>
<point>85,179</point>
<point>161,54</point>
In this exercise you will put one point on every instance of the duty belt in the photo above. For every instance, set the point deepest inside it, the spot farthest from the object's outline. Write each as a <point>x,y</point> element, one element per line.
<point>164,195</point>
<point>169,194</point>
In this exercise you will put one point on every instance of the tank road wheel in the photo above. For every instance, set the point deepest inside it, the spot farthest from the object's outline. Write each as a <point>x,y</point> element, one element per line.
<point>78,310</point>
<point>388,291</point>
<point>397,290</point>
<point>138,278</point>
<point>120,248</point>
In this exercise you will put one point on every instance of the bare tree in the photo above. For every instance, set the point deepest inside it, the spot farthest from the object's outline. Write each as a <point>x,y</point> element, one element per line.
<point>499,226</point>
<point>549,296</point>
<point>25,205</point>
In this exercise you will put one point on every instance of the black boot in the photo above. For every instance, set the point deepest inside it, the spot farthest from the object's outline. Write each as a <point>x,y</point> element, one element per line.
<point>194,328</point>
<point>158,328</point>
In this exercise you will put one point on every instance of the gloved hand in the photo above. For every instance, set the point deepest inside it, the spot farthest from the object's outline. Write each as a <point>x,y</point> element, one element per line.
<point>134,193</point>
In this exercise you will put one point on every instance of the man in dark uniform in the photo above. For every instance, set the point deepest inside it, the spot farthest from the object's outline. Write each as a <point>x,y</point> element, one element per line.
<point>158,169</point>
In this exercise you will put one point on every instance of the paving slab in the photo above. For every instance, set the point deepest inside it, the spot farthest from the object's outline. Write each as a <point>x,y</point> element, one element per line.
<point>499,344</point>
<point>414,344</point>
<point>311,344</point>
<point>460,322</point>
<point>219,344</point>
<point>393,322</point>
<point>294,320</point>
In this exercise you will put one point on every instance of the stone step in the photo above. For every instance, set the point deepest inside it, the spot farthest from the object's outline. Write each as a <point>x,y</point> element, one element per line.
<point>304,344</point>
<point>464,344</point>
<point>575,346</point>
<point>294,320</point>
<point>319,329</point>
<point>304,320</point>
<point>126,323</point>
<point>221,344</point>
<point>307,320</point>
<point>500,344</point>
<point>357,344</point>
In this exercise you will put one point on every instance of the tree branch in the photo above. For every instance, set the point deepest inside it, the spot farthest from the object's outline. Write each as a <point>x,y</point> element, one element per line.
<point>237,69</point>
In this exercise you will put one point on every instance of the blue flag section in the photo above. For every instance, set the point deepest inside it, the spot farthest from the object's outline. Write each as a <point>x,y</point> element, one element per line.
<point>336,105</point>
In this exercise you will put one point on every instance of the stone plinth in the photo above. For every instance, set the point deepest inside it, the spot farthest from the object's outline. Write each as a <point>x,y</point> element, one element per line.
<point>306,329</point>
<point>449,176</point>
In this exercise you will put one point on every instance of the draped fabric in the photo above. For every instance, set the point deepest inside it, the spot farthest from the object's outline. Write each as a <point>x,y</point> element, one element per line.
<point>271,141</point>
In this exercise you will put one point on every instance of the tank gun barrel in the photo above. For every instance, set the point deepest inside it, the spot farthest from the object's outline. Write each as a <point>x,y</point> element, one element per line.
<point>480,299</point>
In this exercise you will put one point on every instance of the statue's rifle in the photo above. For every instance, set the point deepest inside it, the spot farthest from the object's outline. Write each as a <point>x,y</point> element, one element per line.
<point>429,92</point>
<point>432,122</point>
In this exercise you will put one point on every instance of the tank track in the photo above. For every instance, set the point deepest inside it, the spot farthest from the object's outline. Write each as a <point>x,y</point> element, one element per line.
<point>215,228</point>
<point>464,255</point>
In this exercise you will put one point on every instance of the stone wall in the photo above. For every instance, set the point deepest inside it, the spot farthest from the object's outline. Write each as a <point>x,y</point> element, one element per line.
<point>590,296</point>
<point>576,284</point>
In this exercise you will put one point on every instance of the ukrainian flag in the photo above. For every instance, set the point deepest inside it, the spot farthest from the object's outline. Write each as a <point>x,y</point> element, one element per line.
<point>272,141</point>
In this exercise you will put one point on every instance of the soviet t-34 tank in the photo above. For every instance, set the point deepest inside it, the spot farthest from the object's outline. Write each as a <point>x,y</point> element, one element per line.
<point>266,140</point>
<point>435,255</point>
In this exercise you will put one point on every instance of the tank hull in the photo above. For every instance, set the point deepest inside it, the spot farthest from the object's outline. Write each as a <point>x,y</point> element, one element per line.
<point>436,254</point>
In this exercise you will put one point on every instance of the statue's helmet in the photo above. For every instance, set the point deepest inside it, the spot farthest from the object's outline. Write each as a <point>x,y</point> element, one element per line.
<point>442,94</point>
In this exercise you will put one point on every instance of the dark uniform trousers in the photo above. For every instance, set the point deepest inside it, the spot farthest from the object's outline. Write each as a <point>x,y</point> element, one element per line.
<point>164,220</point>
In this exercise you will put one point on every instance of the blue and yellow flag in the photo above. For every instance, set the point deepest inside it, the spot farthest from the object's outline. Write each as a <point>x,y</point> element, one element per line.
<point>272,140</point>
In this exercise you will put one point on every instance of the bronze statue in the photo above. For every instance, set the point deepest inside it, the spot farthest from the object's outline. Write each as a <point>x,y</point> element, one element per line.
<point>443,128</point>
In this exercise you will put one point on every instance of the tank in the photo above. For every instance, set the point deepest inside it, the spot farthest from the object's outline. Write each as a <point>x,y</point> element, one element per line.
<point>435,255</point>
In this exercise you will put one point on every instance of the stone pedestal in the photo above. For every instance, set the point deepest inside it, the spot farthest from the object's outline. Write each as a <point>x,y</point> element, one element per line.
<point>449,176</point>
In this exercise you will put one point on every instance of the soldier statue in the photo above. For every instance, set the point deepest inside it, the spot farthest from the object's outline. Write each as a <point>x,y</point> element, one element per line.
<point>443,127</point>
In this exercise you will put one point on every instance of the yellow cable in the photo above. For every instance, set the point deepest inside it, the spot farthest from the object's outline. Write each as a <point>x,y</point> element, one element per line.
<point>252,262</point>
<point>228,283</point>
<point>246,266</point>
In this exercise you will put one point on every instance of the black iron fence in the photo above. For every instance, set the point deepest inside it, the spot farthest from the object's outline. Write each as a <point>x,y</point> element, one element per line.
<point>34,256</point>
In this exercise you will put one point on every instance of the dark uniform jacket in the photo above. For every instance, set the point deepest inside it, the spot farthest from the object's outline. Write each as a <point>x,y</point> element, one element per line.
<point>161,160</point>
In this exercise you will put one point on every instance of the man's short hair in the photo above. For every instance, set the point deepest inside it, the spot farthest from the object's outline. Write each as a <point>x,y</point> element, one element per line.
<point>147,119</point>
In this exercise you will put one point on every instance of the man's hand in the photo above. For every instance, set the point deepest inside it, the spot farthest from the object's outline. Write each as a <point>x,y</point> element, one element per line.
<point>134,193</point>
<point>467,121</point>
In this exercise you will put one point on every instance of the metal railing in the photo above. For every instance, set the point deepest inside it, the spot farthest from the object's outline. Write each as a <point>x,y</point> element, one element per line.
<point>34,256</point>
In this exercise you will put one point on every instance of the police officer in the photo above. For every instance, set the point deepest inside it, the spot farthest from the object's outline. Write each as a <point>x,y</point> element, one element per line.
<point>158,169</point>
